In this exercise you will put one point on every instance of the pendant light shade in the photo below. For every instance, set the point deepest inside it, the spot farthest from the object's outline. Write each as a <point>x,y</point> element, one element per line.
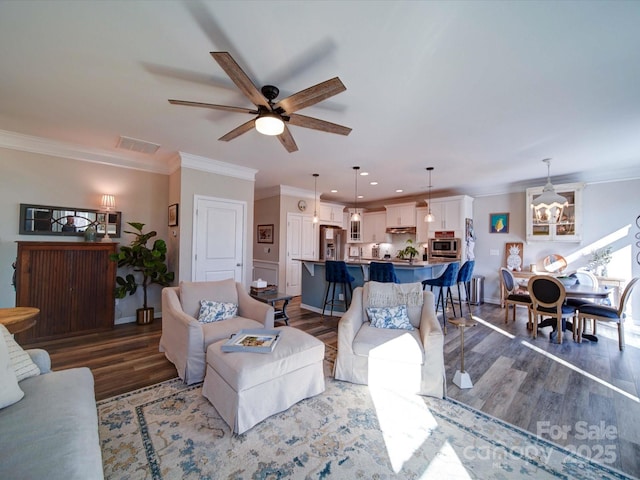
<point>269,124</point>
<point>356,216</point>
<point>315,198</point>
<point>429,216</point>
<point>548,206</point>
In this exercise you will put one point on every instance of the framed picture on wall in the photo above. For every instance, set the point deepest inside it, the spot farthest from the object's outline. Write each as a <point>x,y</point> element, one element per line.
<point>265,233</point>
<point>499,223</point>
<point>173,215</point>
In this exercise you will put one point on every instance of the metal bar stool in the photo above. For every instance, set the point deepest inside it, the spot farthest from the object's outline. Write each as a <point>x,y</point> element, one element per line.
<point>464,278</point>
<point>446,280</point>
<point>336,274</point>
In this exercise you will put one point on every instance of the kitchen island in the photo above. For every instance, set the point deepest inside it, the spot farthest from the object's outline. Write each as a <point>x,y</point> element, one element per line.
<point>314,284</point>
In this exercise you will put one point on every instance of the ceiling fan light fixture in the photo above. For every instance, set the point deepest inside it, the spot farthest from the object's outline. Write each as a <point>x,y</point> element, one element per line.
<point>269,124</point>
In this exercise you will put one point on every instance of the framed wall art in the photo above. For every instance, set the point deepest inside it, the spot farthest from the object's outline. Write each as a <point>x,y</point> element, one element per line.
<point>498,223</point>
<point>265,233</point>
<point>173,215</point>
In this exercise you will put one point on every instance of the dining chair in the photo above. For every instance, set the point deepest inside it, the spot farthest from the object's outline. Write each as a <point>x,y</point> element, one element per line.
<point>603,313</point>
<point>464,277</point>
<point>446,280</point>
<point>383,272</point>
<point>514,297</point>
<point>548,300</point>
<point>584,277</point>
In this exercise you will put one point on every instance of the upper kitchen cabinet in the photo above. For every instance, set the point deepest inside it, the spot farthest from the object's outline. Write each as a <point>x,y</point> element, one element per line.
<point>331,214</point>
<point>374,227</point>
<point>568,228</point>
<point>450,214</point>
<point>401,215</point>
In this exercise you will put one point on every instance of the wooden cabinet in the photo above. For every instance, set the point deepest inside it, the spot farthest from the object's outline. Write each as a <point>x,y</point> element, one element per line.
<point>72,283</point>
<point>401,215</point>
<point>569,226</point>
<point>331,214</point>
<point>374,226</point>
<point>450,214</point>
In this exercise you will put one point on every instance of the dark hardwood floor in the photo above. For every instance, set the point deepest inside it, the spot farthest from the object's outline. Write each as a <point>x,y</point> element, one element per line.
<point>584,396</point>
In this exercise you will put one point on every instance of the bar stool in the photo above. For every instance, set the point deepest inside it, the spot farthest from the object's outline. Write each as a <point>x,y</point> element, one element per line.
<point>336,273</point>
<point>446,280</point>
<point>383,272</point>
<point>464,278</point>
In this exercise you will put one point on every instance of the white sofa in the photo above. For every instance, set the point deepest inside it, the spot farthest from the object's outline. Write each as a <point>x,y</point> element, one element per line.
<point>392,358</point>
<point>52,432</point>
<point>184,339</point>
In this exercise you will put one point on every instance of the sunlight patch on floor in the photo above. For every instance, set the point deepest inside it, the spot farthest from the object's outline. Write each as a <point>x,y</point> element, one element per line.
<point>445,465</point>
<point>493,327</point>
<point>580,371</point>
<point>405,422</point>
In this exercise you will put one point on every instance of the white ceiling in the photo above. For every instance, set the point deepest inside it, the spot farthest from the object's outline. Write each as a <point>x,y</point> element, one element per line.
<point>482,91</point>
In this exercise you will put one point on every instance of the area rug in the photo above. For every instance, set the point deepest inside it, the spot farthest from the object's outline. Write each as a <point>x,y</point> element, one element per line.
<point>170,431</point>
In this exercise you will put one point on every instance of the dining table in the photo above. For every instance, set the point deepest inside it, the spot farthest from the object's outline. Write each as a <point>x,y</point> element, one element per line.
<point>579,291</point>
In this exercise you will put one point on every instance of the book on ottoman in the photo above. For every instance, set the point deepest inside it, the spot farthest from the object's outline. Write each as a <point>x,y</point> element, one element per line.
<point>260,340</point>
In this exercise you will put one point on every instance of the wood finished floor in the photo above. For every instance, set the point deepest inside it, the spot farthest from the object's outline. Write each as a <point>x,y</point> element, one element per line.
<point>589,390</point>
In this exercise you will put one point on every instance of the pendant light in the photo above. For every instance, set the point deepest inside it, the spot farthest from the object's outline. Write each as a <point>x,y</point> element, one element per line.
<point>356,217</point>
<point>315,198</point>
<point>429,216</point>
<point>548,207</point>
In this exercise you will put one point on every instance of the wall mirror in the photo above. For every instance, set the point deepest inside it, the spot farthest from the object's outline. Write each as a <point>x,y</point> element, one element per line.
<point>66,221</point>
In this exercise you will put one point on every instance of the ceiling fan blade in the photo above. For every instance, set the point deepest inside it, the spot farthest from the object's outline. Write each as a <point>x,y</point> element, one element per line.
<point>237,75</point>
<point>317,124</point>
<point>287,141</point>
<point>236,132</point>
<point>311,96</point>
<point>213,106</point>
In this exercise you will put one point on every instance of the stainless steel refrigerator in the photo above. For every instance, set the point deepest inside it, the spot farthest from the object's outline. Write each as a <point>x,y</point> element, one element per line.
<point>333,242</point>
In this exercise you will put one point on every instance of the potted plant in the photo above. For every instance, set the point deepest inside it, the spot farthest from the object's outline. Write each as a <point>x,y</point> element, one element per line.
<point>149,267</point>
<point>408,252</point>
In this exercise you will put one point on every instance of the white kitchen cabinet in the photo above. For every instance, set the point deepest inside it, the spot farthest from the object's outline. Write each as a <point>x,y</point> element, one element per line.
<point>422,227</point>
<point>374,226</point>
<point>331,214</point>
<point>568,228</point>
<point>401,215</point>
<point>450,214</point>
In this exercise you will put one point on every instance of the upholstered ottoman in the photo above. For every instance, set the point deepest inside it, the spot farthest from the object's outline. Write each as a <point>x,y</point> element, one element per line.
<point>245,387</point>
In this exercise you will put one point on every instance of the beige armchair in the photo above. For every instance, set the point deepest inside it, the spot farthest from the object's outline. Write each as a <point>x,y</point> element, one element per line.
<point>184,339</point>
<point>407,360</point>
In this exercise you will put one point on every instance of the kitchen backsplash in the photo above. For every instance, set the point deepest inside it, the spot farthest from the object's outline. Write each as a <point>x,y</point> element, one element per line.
<point>399,242</point>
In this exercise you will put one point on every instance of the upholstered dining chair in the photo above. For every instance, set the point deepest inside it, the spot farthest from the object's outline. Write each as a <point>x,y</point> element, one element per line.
<point>603,313</point>
<point>584,277</point>
<point>464,277</point>
<point>383,272</point>
<point>548,300</point>
<point>515,297</point>
<point>446,280</point>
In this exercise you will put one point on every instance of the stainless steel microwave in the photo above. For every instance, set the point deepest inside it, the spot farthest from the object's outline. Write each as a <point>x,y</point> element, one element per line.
<point>444,247</point>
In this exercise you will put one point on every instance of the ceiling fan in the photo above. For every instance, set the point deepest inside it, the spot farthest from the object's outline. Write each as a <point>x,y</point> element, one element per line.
<point>272,118</point>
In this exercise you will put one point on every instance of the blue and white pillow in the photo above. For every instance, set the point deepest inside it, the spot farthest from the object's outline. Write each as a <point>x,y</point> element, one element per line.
<point>215,311</point>
<point>390,317</point>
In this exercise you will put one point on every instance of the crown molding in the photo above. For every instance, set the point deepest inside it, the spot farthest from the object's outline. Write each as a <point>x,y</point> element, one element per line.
<point>187,160</point>
<point>56,148</point>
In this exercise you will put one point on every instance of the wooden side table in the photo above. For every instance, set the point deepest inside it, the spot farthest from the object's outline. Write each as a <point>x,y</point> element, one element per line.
<point>18,319</point>
<point>272,299</point>
<point>462,378</point>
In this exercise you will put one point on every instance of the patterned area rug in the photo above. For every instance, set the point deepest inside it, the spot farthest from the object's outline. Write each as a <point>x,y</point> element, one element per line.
<point>170,431</point>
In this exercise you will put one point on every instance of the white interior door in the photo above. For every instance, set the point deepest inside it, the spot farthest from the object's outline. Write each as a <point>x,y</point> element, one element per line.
<point>294,250</point>
<point>219,238</point>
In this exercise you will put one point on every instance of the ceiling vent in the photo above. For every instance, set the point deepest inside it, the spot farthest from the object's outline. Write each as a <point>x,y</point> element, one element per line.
<point>140,146</point>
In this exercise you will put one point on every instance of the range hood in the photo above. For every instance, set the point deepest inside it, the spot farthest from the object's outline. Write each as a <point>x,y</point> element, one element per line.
<point>401,230</point>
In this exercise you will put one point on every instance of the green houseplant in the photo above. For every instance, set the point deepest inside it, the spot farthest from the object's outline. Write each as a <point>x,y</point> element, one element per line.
<point>148,265</point>
<point>408,252</point>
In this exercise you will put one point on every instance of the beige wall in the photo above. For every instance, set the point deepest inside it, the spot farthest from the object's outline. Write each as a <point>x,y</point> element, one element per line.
<point>267,211</point>
<point>47,180</point>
